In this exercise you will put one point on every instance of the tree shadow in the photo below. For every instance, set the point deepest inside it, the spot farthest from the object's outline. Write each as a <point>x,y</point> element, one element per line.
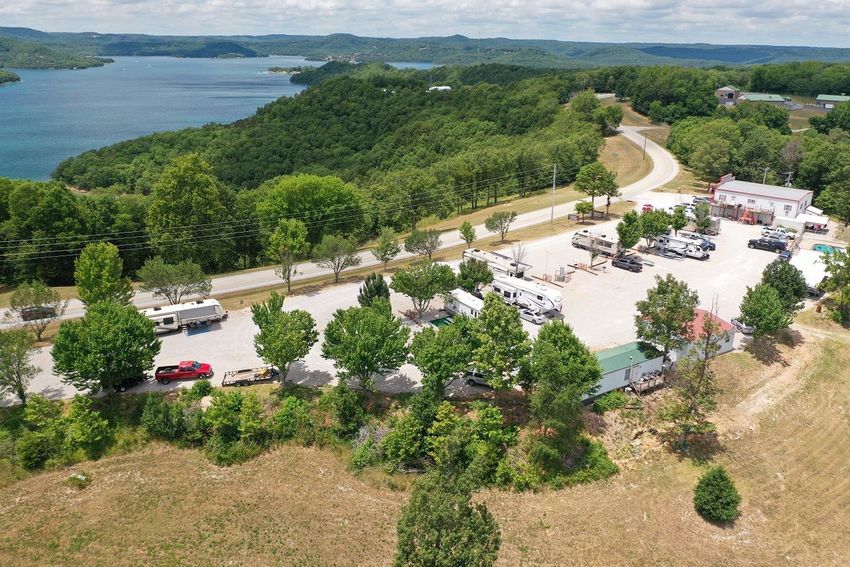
<point>699,448</point>
<point>301,376</point>
<point>764,350</point>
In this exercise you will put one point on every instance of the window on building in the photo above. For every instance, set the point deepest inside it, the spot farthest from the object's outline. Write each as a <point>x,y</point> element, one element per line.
<point>787,209</point>
<point>628,374</point>
<point>721,198</point>
<point>751,201</point>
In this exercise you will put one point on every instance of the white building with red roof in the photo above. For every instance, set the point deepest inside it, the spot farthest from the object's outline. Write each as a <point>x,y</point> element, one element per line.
<point>697,328</point>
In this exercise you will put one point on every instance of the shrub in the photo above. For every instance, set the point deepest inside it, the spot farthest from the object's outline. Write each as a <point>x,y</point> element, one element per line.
<point>86,430</point>
<point>36,448</point>
<point>252,424</point>
<point>293,421</point>
<point>365,455</point>
<point>223,416</point>
<point>347,408</point>
<point>715,497</point>
<point>199,389</point>
<point>519,476</point>
<point>224,452</point>
<point>79,480</point>
<point>595,464</point>
<point>610,401</point>
<point>7,446</point>
<point>162,419</point>
<point>194,427</point>
<point>405,443</point>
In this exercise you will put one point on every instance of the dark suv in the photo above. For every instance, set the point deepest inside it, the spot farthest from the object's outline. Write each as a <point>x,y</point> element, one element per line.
<point>767,244</point>
<point>627,263</point>
<point>128,383</point>
<point>37,312</point>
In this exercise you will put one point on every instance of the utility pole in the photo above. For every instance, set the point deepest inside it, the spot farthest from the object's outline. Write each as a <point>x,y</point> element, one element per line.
<point>764,179</point>
<point>554,177</point>
<point>789,175</point>
<point>643,156</point>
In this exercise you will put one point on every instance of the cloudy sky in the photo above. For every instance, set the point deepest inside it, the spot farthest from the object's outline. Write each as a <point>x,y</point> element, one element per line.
<point>776,22</point>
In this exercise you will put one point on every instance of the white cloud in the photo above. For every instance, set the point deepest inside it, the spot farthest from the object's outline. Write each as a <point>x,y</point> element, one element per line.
<point>777,22</point>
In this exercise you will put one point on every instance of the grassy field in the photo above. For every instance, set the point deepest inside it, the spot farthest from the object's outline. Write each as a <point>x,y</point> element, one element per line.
<point>799,119</point>
<point>783,434</point>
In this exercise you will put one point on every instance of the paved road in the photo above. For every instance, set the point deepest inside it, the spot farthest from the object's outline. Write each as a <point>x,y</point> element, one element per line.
<point>664,169</point>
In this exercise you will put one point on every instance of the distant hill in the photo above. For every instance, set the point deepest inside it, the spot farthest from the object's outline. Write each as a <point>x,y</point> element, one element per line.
<point>31,55</point>
<point>455,49</point>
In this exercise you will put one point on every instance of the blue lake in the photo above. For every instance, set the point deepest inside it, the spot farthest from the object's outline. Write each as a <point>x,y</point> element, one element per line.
<point>52,115</point>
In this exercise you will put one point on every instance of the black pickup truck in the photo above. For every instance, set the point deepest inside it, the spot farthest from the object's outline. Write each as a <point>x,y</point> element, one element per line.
<point>768,244</point>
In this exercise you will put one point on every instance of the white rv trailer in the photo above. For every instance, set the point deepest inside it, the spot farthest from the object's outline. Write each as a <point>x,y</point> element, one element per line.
<point>810,263</point>
<point>461,302</point>
<point>181,315</point>
<point>605,244</point>
<point>681,246</point>
<point>532,295</point>
<point>498,263</point>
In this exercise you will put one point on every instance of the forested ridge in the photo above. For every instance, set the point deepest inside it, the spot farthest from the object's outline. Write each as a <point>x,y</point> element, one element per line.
<point>8,77</point>
<point>31,55</point>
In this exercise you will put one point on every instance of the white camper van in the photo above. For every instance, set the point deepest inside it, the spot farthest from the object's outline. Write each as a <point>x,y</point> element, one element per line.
<point>498,263</point>
<point>605,244</point>
<point>175,317</point>
<point>524,293</point>
<point>461,302</point>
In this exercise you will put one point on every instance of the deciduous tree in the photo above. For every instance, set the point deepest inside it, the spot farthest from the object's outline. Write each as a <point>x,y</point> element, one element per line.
<point>584,208</point>
<point>629,230</point>
<point>285,336</point>
<point>467,233</point>
<point>503,344</point>
<point>473,274</point>
<point>288,244</point>
<point>387,247</point>
<point>37,305</point>
<point>111,343</point>
<point>678,220</point>
<point>665,316</point>
<point>423,242</point>
<point>363,341</point>
<point>423,283</point>
<point>174,282</point>
<point>789,283</point>
<point>336,254</point>
<point>653,224</point>
<point>98,275</point>
<point>16,370</point>
<point>595,180</point>
<point>442,355</point>
<point>762,309</point>
<point>500,222</point>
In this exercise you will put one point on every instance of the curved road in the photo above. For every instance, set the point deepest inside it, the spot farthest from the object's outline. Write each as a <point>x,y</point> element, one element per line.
<point>664,169</point>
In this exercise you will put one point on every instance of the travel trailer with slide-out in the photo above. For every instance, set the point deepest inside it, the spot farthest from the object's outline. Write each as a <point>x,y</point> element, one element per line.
<point>461,302</point>
<point>193,314</point>
<point>532,295</point>
<point>498,263</point>
<point>605,244</point>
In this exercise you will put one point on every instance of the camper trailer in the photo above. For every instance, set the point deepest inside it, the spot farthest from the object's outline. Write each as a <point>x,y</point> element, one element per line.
<point>461,302</point>
<point>681,246</point>
<point>605,244</point>
<point>182,315</point>
<point>810,263</point>
<point>524,293</point>
<point>498,263</point>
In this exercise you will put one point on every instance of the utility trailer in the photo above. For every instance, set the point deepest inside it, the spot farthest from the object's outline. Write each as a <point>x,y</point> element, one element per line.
<point>185,315</point>
<point>681,246</point>
<point>248,376</point>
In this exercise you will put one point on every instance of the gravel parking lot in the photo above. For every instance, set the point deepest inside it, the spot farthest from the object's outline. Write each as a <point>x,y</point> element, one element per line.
<point>599,306</point>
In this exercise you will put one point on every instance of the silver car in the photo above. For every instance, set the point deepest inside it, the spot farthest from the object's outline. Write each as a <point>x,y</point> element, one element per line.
<point>532,316</point>
<point>741,326</point>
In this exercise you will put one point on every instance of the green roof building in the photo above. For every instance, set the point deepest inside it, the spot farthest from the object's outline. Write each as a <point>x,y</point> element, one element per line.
<point>625,364</point>
<point>762,97</point>
<point>829,101</point>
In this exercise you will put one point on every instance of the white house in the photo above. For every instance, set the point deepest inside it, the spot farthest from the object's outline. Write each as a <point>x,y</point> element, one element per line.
<point>626,365</point>
<point>757,202</point>
<point>724,329</point>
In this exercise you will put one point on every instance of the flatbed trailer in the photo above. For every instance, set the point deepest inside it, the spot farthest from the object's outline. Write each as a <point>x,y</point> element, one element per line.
<point>248,376</point>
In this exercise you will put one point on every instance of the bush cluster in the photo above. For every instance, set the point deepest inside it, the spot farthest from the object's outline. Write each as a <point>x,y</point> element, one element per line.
<point>610,401</point>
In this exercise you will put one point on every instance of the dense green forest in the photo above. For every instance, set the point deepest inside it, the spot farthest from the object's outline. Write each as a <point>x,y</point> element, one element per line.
<point>8,77</point>
<point>29,55</point>
<point>450,50</point>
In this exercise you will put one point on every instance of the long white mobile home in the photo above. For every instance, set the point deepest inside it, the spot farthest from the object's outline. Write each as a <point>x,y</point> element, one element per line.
<point>498,263</point>
<point>532,295</point>
<point>605,244</point>
<point>461,302</point>
<point>175,317</point>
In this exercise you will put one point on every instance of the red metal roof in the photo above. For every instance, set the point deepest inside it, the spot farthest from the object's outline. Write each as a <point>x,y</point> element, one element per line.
<point>697,325</point>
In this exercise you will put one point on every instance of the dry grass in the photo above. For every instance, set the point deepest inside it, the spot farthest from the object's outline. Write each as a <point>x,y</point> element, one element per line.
<point>799,119</point>
<point>625,159</point>
<point>296,506</point>
<point>630,117</point>
<point>685,182</point>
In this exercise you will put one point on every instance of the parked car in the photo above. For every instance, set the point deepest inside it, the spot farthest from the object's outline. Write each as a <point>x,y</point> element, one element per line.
<point>532,316</point>
<point>629,263</point>
<point>647,208</point>
<point>128,383</point>
<point>475,378</point>
<point>697,200</point>
<point>779,232</point>
<point>186,370</point>
<point>37,312</point>
<point>767,244</point>
<point>745,329</point>
<point>785,255</point>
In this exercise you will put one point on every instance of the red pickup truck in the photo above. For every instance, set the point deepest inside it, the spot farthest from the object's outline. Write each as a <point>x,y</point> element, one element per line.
<point>186,370</point>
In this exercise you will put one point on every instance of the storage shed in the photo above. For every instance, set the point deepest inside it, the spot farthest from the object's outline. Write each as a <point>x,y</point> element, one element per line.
<point>624,365</point>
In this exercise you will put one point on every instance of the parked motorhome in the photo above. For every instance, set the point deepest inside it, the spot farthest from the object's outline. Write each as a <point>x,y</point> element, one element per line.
<point>810,263</point>
<point>605,244</point>
<point>524,293</point>
<point>498,263</point>
<point>182,315</point>
<point>461,302</point>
